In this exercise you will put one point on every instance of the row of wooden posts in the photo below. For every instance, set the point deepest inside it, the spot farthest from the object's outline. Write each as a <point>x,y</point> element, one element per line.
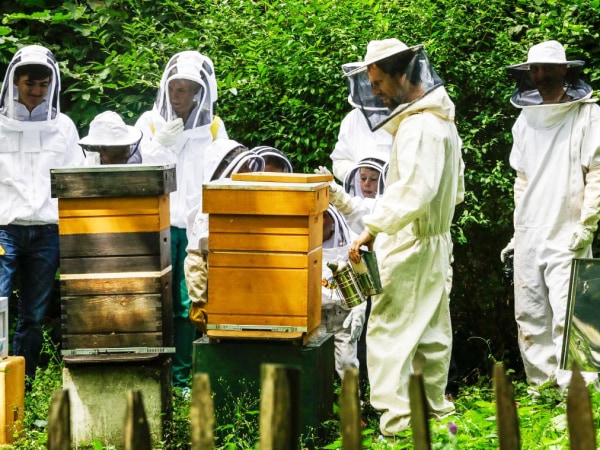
<point>279,420</point>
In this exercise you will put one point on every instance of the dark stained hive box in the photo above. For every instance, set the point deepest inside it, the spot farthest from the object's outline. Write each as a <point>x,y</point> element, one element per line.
<point>115,255</point>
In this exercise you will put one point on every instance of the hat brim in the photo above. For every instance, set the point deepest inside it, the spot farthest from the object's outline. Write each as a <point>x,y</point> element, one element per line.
<point>133,136</point>
<point>362,66</point>
<point>525,65</point>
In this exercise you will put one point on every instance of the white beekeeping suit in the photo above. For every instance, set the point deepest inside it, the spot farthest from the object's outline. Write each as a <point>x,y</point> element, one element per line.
<point>556,154</point>
<point>409,327</point>
<point>35,137</point>
<point>32,144</point>
<point>356,141</point>
<point>345,324</point>
<point>184,145</point>
<point>178,129</point>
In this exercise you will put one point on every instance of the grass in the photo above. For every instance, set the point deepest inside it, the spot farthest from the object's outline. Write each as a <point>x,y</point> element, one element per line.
<point>542,419</point>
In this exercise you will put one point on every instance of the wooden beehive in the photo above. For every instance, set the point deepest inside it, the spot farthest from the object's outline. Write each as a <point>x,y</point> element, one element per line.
<point>115,257</point>
<point>265,261</point>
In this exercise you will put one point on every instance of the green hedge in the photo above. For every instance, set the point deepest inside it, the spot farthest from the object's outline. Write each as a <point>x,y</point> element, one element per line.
<point>279,75</point>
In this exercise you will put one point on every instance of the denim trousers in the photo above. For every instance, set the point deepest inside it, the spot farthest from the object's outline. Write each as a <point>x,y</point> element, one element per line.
<point>29,259</point>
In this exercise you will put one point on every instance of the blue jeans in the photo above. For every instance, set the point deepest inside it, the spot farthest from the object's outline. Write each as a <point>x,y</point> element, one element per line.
<point>29,258</point>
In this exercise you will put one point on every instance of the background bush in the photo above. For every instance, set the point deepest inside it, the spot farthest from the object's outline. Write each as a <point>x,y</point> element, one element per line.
<point>279,75</point>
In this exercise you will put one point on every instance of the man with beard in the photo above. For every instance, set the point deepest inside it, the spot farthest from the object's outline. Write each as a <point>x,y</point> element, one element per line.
<point>409,329</point>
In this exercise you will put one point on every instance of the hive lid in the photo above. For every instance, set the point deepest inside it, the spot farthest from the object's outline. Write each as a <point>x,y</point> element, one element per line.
<point>282,177</point>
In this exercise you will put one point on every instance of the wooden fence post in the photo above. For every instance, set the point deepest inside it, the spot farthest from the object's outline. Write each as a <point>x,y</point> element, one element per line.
<point>506,411</point>
<point>419,415</point>
<point>59,421</point>
<point>137,431</point>
<point>350,411</point>
<point>279,407</point>
<point>202,414</point>
<point>582,433</point>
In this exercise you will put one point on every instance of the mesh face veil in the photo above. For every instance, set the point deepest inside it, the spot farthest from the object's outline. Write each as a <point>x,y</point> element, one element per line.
<point>225,157</point>
<point>192,66</point>
<point>352,182</point>
<point>31,55</point>
<point>274,157</point>
<point>412,62</point>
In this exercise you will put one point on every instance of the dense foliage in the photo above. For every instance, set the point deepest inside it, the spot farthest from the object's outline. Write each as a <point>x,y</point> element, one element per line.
<point>278,67</point>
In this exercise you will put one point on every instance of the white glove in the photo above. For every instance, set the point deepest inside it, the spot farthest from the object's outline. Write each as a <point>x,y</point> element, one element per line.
<point>582,237</point>
<point>510,247</point>
<point>355,320</point>
<point>169,133</point>
<point>335,190</point>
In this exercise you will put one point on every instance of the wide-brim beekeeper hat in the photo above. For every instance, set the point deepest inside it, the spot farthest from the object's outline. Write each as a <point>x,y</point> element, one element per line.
<point>379,50</point>
<point>108,130</point>
<point>548,52</point>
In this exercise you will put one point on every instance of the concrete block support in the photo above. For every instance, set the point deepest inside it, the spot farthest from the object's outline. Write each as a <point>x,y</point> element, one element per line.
<point>98,395</point>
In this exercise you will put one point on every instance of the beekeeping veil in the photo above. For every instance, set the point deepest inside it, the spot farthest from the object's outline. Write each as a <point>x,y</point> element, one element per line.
<point>352,181</point>
<point>224,157</point>
<point>31,55</point>
<point>275,157</point>
<point>548,52</point>
<point>342,235</point>
<point>392,57</point>
<point>194,66</point>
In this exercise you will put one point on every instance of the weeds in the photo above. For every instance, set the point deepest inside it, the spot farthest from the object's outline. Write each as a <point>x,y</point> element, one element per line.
<point>542,418</point>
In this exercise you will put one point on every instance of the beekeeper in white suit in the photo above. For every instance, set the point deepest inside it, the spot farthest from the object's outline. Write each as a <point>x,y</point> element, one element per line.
<point>556,154</point>
<point>35,137</point>
<point>409,327</point>
<point>344,323</point>
<point>177,130</point>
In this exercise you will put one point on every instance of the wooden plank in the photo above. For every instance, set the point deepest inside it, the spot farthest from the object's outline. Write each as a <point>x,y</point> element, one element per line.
<point>282,177</point>
<point>111,314</point>
<point>262,242</point>
<point>114,224</point>
<point>582,432</point>
<point>262,259</point>
<point>506,411</point>
<point>59,421</point>
<point>279,407</point>
<point>350,414</point>
<point>115,283</point>
<point>112,340</point>
<point>419,414</point>
<point>115,244</point>
<point>137,430</point>
<point>111,206</point>
<point>265,224</point>
<point>202,414</point>
<point>295,319</point>
<point>265,202</point>
<point>249,334</point>
<point>258,291</point>
<point>109,264</point>
<point>122,180</point>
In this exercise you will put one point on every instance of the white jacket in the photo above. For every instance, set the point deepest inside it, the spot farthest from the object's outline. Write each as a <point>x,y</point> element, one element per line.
<point>31,144</point>
<point>356,141</point>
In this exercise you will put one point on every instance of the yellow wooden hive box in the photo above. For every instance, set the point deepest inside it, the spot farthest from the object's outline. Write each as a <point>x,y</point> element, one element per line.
<point>265,260</point>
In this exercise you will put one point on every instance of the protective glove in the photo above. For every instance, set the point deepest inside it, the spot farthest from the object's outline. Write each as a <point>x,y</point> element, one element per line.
<point>510,248</point>
<point>169,133</point>
<point>582,237</point>
<point>336,192</point>
<point>198,316</point>
<point>355,320</point>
